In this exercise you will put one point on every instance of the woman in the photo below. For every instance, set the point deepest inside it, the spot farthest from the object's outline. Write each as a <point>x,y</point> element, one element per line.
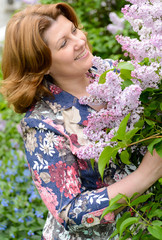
<point>45,61</point>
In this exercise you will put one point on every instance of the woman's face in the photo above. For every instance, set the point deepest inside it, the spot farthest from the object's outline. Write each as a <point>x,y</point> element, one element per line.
<point>70,52</point>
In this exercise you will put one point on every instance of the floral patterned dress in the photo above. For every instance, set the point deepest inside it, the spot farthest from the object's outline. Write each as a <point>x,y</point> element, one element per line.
<point>71,189</point>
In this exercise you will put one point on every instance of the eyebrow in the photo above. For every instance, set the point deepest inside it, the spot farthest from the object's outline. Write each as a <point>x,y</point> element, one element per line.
<point>62,37</point>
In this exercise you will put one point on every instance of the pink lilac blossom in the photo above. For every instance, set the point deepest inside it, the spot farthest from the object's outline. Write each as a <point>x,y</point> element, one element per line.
<point>101,65</point>
<point>147,74</point>
<point>144,16</point>
<point>119,104</point>
<point>137,49</point>
<point>117,23</point>
<point>30,1</point>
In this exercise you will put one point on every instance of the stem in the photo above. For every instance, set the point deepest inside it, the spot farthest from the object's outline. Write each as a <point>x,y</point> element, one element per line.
<point>154,120</point>
<point>142,140</point>
<point>137,213</point>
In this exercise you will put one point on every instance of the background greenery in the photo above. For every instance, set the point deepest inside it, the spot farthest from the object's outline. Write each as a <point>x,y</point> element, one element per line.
<point>22,212</point>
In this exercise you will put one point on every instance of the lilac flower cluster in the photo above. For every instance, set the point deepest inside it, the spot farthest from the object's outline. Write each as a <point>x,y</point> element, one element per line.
<point>118,103</point>
<point>117,23</point>
<point>144,17</point>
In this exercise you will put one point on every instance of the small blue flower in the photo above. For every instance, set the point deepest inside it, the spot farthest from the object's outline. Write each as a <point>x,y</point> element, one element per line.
<point>27,173</point>
<point>14,144</point>
<point>8,179</point>
<point>12,235</point>
<point>9,172</point>
<point>1,191</point>
<point>16,210</point>
<point>2,175</point>
<point>28,219</point>
<point>30,189</point>
<point>8,162</point>
<point>33,196</point>
<point>4,202</point>
<point>3,227</point>
<point>19,179</point>
<point>21,220</point>
<point>39,214</point>
<point>30,233</point>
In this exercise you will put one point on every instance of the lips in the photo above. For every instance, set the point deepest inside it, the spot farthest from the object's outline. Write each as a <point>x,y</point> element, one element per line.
<point>82,55</point>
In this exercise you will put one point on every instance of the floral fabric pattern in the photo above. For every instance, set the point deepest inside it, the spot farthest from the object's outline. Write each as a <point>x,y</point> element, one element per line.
<point>72,191</point>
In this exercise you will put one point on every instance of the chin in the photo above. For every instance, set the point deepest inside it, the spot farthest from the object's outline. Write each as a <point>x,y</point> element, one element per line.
<point>90,61</point>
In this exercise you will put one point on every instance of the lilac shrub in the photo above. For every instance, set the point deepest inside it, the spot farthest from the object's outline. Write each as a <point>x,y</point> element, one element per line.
<point>121,87</point>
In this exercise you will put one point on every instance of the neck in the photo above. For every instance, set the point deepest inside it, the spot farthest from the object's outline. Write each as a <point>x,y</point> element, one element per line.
<point>76,87</point>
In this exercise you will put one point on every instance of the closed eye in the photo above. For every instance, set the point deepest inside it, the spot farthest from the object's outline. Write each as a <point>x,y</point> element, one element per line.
<point>74,30</point>
<point>64,43</point>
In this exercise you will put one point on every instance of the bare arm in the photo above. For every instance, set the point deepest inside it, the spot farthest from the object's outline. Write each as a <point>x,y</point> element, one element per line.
<point>149,171</point>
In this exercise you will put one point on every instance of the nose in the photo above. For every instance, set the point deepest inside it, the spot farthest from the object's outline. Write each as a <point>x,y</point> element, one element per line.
<point>78,43</point>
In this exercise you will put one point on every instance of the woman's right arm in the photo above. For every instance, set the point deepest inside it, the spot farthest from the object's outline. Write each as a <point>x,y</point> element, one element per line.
<point>148,172</point>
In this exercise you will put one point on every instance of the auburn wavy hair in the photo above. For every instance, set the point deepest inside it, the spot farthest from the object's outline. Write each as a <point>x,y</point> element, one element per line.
<point>26,57</point>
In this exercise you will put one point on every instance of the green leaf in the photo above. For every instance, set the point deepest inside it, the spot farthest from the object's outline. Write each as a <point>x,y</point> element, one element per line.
<point>102,78</point>
<point>111,208</point>
<point>127,222</point>
<point>92,163</point>
<point>125,74</point>
<point>134,194</point>
<point>126,83</point>
<point>160,181</point>
<point>147,207</point>
<point>124,156</point>
<point>122,144</point>
<point>150,122</point>
<point>105,157</point>
<point>139,124</point>
<point>155,231</point>
<point>161,106</point>
<point>113,234</point>
<point>157,223</point>
<point>158,148</point>
<point>121,219</point>
<point>153,143</point>
<point>138,235</point>
<point>131,133</point>
<point>122,127</point>
<point>120,134</point>
<point>14,220</point>
<point>126,236</point>
<point>125,65</point>
<point>153,105</point>
<point>141,199</point>
<point>116,199</point>
<point>156,213</point>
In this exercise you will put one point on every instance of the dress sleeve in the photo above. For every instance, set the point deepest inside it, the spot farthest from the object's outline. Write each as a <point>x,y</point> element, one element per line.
<point>56,174</point>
